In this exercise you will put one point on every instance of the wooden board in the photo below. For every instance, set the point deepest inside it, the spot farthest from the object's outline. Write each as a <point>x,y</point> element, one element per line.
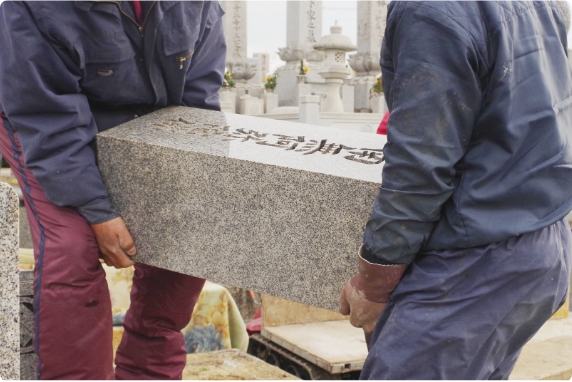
<point>335,346</point>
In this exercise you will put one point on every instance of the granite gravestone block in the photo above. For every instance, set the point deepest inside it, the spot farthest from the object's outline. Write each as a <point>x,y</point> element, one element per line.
<point>9,284</point>
<point>272,206</point>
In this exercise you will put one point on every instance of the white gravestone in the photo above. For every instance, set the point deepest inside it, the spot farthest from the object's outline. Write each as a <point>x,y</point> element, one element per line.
<point>372,17</point>
<point>262,68</point>
<point>303,30</point>
<point>234,25</point>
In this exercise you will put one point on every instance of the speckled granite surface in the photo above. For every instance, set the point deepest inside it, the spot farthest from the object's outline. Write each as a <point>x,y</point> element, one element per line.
<point>272,206</point>
<point>9,284</point>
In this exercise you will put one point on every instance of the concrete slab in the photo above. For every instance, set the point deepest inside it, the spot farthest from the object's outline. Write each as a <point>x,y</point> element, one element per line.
<point>315,342</point>
<point>549,359</point>
<point>548,355</point>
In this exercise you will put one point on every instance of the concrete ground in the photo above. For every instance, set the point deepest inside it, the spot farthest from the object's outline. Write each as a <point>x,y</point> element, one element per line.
<point>548,355</point>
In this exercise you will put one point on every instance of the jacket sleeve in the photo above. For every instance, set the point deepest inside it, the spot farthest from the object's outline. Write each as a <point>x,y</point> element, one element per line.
<point>40,93</point>
<point>433,92</point>
<point>206,72</point>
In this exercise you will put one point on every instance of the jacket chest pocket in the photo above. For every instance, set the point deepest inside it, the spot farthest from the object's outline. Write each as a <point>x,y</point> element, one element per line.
<point>178,45</point>
<point>110,71</point>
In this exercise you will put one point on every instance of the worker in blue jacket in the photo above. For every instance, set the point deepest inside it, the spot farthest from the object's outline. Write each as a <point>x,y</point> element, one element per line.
<point>69,70</point>
<point>467,251</point>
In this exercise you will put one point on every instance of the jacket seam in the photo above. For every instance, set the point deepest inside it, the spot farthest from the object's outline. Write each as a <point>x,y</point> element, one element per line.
<point>513,15</point>
<point>469,34</point>
<point>459,210</point>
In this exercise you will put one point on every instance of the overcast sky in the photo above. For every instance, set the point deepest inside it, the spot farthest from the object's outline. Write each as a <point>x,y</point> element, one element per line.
<point>266,24</point>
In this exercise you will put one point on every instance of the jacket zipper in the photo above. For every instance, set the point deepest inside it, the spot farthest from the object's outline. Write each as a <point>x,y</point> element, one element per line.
<point>183,59</point>
<point>145,19</point>
<point>140,27</point>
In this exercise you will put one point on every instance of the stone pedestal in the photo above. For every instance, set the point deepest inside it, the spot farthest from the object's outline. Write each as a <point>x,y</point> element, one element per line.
<point>348,98</point>
<point>227,100</point>
<point>362,93</point>
<point>378,104</point>
<point>244,201</point>
<point>270,102</point>
<point>255,91</point>
<point>310,109</point>
<point>251,105</point>
<point>302,89</point>
<point>333,100</point>
<point>9,284</point>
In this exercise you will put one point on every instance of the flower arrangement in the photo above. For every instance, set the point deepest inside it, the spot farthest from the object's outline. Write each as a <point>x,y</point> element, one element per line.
<point>227,82</point>
<point>377,88</point>
<point>270,81</point>
<point>304,69</point>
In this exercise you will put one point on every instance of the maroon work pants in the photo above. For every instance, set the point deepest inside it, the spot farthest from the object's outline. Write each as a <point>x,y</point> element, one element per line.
<point>72,308</point>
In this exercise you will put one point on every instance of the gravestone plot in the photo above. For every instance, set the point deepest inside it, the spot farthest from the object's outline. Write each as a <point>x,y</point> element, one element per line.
<point>9,284</point>
<point>272,206</point>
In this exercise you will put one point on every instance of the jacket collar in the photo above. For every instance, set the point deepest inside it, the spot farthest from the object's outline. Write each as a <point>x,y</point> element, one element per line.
<point>102,5</point>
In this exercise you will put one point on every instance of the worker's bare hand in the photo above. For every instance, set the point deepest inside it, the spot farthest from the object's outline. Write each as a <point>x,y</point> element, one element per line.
<point>363,313</point>
<point>115,243</point>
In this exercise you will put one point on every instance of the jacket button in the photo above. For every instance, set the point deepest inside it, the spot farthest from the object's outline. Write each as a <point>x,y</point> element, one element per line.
<point>135,116</point>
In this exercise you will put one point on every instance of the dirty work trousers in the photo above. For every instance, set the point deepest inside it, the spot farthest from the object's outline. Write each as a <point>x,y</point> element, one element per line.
<point>72,308</point>
<point>465,314</point>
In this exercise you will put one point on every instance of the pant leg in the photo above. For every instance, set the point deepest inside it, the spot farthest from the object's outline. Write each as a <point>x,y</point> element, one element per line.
<point>465,314</point>
<point>162,303</point>
<point>72,307</point>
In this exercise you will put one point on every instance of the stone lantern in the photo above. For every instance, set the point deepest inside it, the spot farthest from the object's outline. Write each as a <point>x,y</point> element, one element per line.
<point>335,70</point>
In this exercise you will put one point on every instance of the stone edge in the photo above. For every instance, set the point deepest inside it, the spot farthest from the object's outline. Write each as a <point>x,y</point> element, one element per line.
<point>9,284</point>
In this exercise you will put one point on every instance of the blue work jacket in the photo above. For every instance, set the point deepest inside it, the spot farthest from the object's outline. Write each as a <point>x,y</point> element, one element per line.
<point>480,133</point>
<point>69,70</point>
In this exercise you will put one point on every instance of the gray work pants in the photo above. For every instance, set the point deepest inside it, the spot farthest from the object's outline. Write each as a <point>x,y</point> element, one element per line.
<point>466,314</point>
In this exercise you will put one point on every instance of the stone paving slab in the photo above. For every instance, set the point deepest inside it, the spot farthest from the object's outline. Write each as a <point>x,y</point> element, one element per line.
<point>272,206</point>
<point>548,355</point>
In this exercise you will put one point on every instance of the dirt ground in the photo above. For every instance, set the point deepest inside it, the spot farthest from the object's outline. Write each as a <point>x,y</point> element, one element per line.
<point>230,365</point>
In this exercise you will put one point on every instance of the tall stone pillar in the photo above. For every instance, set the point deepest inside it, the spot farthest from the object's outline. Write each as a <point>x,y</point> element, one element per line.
<point>234,24</point>
<point>262,68</point>
<point>303,30</point>
<point>372,16</point>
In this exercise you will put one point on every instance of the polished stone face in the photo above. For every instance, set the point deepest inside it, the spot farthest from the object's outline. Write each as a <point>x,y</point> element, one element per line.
<point>9,284</point>
<point>272,206</point>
